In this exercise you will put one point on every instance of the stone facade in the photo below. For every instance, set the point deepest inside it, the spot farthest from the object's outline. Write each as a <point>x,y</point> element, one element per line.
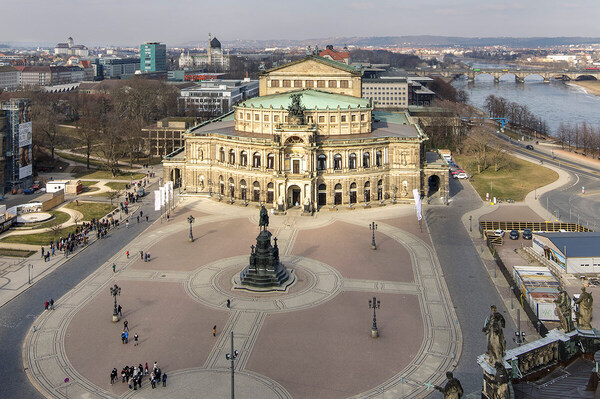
<point>285,164</point>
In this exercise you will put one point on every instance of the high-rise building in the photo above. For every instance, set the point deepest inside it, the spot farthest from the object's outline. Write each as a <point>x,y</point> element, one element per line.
<point>153,57</point>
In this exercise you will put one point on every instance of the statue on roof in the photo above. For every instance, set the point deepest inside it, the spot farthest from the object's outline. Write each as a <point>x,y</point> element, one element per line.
<point>296,110</point>
<point>494,331</point>
<point>564,310</point>
<point>584,310</point>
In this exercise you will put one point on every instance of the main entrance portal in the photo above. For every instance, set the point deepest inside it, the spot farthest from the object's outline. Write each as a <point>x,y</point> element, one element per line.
<point>294,196</point>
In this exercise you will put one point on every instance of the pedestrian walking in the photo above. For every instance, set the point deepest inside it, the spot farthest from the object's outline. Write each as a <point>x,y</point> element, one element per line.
<point>126,337</point>
<point>125,325</point>
<point>148,253</point>
<point>113,375</point>
<point>127,254</point>
<point>146,257</point>
<point>51,304</point>
<point>123,337</point>
<point>142,214</point>
<point>114,267</point>
<point>146,218</point>
<point>164,379</point>
<point>228,303</point>
<point>138,218</point>
<point>119,309</point>
<point>214,331</point>
<point>42,252</point>
<point>127,223</point>
<point>142,255</point>
<point>146,369</point>
<point>46,304</point>
<point>135,339</point>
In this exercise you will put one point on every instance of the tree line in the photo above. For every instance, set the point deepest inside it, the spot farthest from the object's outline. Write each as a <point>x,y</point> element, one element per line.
<point>517,114</point>
<point>581,137</point>
<point>108,126</point>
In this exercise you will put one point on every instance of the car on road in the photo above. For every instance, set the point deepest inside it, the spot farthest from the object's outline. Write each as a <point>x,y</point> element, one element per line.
<point>499,233</point>
<point>514,234</point>
<point>527,234</point>
<point>462,175</point>
<point>529,147</point>
<point>28,191</point>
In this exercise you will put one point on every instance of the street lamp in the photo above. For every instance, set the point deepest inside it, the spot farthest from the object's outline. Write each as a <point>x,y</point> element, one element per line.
<point>232,356</point>
<point>29,268</point>
<point>374,304</point>
<point>114,291</point>
<point>373,227</point>
<point>470,225</point>
<point>190,220</point>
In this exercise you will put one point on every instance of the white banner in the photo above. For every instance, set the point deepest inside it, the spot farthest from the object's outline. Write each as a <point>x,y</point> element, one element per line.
<point>162,195</point>
<point>417,203</point>
<point>157,200</point>
<point>169,191</point>
<point>25,167</point>
<point>25,134</point>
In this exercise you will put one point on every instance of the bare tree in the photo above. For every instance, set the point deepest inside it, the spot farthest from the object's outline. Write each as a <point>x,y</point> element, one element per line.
<point>476,144</point>
<point>46,116</point>
<point>113,195</point>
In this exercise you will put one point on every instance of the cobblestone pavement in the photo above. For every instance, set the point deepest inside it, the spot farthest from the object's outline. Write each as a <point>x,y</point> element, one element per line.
<point>312,341</point>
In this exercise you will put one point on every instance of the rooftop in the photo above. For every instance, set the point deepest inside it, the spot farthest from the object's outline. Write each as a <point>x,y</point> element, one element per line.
<point>310,99</point>
<point>578,244</point>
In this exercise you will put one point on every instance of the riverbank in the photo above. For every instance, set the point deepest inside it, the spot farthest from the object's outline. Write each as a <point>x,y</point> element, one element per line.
<point>590,86</point>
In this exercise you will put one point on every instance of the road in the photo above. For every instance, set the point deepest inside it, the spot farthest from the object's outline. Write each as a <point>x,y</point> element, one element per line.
<point>470,286</point>
<point>17,316</point>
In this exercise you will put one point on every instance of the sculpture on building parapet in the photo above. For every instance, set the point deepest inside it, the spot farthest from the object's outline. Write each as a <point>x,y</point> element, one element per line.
<point>296,110</point>
<point>585,307</point>
<point>501,381</point>
<point>493,329</point>
<point>564,310</point>
<point>452,389</point>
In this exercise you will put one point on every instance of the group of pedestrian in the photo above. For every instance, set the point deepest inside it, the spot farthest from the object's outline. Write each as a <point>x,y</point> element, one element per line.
<point>145,256</point>
<point>49,305</point>
<point>134,376</point>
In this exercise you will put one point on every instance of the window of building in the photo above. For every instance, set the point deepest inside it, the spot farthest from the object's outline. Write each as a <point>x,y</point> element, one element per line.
<point>222,155</point>
<point>344,84</point>
<point>352,161</point>
<point>275,83</point>
<point>353,118</point>
<point>321,119</point>
<point>275,118</point>
<point>322,162</point>
<point>362,117</point>
<point>320,83</point>
<point>244,158</point>
<point>378,158</point>
<point>309,119</point>
<point>332,84</point>
<point>366,159</point>
<point>337,162</point>
<point>257,117</point>
<point>265,118</point>
<point>231,157</point>
<point>270,161</point>
<point>287,83</point>
<point>247,115</point>
<point>332,119</point>
<point>343,118</point>
<point>309,83</point>
<point>297,83</point>
<point>256,160</point>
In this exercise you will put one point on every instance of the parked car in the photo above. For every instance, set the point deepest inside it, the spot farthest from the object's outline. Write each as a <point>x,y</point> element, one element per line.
<point>514,235</point>
<point>36,185</point>
<point>28,191</point>
<point>462,175</point>
<point>529,147</point>
<point>527,234</point>
<point>499,232</point>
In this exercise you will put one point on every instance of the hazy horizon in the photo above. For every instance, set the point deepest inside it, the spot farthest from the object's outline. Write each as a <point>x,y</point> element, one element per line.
<point>110,22</point>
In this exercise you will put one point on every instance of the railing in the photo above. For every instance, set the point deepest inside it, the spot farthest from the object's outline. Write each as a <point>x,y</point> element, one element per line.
<point>533,226</point>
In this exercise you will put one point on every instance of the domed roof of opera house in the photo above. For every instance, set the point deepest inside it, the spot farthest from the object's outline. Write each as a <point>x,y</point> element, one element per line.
<point>310,99</point>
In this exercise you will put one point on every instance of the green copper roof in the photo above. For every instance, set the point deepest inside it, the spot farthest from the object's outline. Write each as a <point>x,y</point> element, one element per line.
<point>391,117</point>
<point>310,99</point>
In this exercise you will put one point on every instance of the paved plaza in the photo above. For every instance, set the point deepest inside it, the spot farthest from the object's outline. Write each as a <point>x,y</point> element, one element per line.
<point>312,341</point>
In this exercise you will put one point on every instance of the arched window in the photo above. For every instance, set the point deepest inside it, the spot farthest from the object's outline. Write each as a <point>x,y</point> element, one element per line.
<point>352,161</point>
<point>243,188</point>
<point>322,198</point>
<point>256,160</point>
<point>378,158</point>
<point>222,154</point>
<point>322,162</point>
<point>221,185</point>
<point>270,161</point>
<point>379,190</point>
<point>231,186</point>
<point>366,160</point>
<point>337,162</point>
<point>256,192</point>
<point>353,193</point>
<point>231,157</point>
<point>243,158</point>
<point>367,191</point>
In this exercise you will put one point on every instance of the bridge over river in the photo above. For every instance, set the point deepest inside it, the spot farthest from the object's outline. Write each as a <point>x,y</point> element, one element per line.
<point>519,74</point>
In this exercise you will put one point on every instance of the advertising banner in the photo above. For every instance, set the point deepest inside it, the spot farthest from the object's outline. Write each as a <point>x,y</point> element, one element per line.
<point>157,200</point>
<point>417,203</point>
<point>25,134</point>
<point>25,167</point>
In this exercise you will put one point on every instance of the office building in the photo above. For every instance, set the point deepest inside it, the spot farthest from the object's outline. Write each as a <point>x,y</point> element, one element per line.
<point>166,135</point>
<point>116,67</point>
<point>153,57</point>
<point>9,78</point>
<point>216,97</point>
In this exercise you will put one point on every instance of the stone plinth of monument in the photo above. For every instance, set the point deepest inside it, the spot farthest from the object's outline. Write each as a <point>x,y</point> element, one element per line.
<point>264,272</point>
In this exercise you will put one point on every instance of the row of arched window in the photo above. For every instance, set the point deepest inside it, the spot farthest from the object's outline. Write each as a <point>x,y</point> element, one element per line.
<point>321,160</point>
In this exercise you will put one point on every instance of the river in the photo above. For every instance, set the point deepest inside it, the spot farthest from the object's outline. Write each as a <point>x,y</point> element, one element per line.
<point>554,102</point>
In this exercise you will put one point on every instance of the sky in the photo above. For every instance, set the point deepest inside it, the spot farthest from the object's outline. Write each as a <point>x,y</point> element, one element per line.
<point>174,22</point>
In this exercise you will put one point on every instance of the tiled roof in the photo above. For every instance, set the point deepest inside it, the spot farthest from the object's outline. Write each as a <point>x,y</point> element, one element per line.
<point>336,55</point>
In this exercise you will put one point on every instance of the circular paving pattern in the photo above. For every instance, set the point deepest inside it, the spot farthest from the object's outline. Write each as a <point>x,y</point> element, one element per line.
<point>33,217</point>
<point>316,283</point>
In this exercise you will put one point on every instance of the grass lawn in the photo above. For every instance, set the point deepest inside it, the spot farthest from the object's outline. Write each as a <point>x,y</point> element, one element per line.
<point>16,253</point>
<point>87,183</point>
<point>105,174</point>
<point>514,181</point>
<point>40,238</point>
<point>92,210</point>
<point>78,158</point>
<point>116,185</point>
